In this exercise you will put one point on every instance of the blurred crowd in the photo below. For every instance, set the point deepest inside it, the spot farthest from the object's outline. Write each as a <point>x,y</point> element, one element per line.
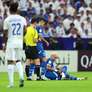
<point>65,18</point>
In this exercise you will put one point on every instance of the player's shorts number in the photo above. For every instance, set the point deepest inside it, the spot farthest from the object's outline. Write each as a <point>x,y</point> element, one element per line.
<point>16,28</point>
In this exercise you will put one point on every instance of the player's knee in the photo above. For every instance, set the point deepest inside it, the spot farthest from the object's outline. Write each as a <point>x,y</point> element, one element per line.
<point>37,61</point>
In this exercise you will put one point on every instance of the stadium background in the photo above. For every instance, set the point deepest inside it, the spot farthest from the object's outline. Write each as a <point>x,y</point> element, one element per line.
<point>69,26</point>
<point>63,39</point>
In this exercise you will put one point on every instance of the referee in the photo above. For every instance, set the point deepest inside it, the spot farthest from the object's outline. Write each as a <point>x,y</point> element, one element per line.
<point>31,39</point>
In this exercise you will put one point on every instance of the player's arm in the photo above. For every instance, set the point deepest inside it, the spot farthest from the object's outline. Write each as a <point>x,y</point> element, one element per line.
<point>49,67</point>
<point>5,34</point>
<point>25,29</point>
<point>25,26</point>
<point>35,39</point>
<point>43,39</point>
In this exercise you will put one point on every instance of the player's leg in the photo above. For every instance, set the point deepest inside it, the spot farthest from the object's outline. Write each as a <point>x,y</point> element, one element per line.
<point>70,77</point>
<point>64,69</point>
<point>59,75</point>
<point>31,70</point>
<point>27,66</point>
<point>11,73</point>
<point>35,58</point>
<point>37,68</point>
<point>19,66</point>
<point>51,75</point>
<point>20,71</point>
<point>9,58</point>
<point>43,61</point>
<point>43,68</point>
<point>66,75</point>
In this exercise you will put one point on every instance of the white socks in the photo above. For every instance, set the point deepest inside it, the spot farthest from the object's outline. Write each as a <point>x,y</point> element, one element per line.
<point>20,70</point>
<point>11,74</point>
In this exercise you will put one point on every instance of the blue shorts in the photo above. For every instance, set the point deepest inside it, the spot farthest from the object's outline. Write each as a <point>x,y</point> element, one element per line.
<point>41,51</point>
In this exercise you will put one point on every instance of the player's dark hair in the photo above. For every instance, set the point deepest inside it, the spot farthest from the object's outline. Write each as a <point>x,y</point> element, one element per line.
<point>33,20</point>
<point>13,7</point>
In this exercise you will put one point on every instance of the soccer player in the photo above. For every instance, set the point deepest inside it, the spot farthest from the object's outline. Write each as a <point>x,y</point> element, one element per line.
<point>54,73</point>
<point>40,28</point>
<point>14,26</point>
<point>51,72</point>
<point>31,39</point>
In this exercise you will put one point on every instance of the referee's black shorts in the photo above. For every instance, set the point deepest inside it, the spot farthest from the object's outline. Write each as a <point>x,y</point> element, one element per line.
<point>31,52</point>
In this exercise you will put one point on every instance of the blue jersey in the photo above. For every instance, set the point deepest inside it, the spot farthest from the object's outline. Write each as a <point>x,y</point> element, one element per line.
<point>52,75</point>
<point>40,47</point>
<point>40,32</point>
<point>50,62</point>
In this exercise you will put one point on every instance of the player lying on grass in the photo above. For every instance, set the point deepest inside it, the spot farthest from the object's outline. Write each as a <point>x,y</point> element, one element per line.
<point>54,73</point>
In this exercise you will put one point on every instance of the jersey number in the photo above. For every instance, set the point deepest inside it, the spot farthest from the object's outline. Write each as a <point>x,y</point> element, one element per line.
<point>16,28</point>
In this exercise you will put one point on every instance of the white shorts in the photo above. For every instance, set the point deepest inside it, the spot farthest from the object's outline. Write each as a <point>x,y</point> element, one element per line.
<point>13,54</point>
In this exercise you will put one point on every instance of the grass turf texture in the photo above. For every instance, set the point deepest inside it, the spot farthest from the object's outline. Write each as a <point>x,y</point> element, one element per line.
<point>49,86</point>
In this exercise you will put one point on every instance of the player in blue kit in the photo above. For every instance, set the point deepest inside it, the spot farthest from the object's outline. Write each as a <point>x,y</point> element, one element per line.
<point>41,51</point>
<point>40,29</point>
<point>53,72</point>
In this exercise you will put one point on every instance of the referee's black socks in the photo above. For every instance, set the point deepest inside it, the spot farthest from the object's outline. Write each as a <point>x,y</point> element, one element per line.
<point>27,70</point>
<point>37,71</point>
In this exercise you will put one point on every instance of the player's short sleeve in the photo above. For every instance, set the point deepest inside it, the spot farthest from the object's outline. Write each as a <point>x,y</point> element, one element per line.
<point>5,25</point>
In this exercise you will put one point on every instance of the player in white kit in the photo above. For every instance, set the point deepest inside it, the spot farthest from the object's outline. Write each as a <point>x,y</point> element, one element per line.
<point>14,26</point>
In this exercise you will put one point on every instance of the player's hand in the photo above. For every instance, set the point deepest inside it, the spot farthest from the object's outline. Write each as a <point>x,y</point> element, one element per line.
<point>4,47</point>
<point>47,43</point>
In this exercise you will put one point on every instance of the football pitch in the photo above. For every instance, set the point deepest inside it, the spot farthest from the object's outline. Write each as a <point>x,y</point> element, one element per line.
<point>49,86</point>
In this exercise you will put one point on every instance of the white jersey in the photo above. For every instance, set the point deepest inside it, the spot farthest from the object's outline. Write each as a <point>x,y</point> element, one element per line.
<point>15,26</point>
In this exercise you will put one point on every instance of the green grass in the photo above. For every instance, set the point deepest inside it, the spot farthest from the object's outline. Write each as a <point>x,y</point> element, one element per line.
<point>49,86</point>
